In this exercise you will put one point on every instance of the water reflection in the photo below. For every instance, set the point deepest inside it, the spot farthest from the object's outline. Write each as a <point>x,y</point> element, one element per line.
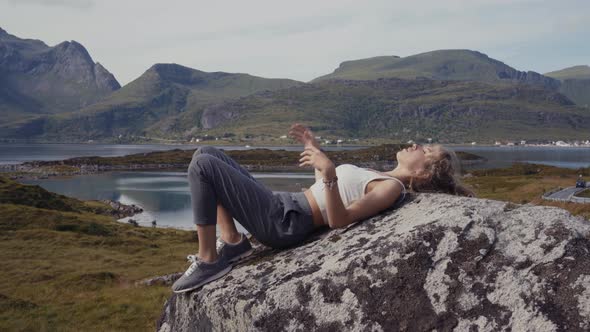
<point>164,196</point>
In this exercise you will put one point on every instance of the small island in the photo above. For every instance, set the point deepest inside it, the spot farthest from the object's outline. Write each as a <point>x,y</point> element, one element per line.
<point>260,160</point>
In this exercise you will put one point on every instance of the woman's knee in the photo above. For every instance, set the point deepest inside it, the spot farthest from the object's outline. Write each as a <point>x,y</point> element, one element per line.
<point>205,149</point>
<point>202,163</point>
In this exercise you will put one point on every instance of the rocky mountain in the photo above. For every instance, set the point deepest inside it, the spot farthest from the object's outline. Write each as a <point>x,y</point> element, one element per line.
<point>465,65</point>
<point>438,262</point>
<point>38,79</point>
<point>461,65</point>
<point>452,95</point>
<point>149,105</point>
<point>448,111</point>
<point>575,83</point>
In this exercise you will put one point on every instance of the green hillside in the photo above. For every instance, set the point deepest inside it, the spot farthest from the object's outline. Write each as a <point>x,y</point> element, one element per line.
<point>448,111</point>
<point>144,106</point>
<point>575,72</point>
<point>462,65</point>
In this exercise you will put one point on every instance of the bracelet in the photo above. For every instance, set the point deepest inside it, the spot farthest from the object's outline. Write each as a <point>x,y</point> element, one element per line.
<point>330,183</point>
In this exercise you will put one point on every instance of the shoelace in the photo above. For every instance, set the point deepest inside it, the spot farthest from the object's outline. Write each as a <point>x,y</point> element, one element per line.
<point>195,263</point>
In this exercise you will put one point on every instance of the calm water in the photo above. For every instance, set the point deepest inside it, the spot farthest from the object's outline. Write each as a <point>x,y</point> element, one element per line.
<point>567,157</point>
<point>13,153</point>
<point>497,156</point>
<point>164,196</point>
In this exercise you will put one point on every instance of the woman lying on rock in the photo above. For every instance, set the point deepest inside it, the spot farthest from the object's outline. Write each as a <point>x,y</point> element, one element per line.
<point>222,190</point>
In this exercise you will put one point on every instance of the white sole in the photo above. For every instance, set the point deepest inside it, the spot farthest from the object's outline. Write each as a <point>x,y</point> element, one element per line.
<point>244,255</point>
<point>206,281</point>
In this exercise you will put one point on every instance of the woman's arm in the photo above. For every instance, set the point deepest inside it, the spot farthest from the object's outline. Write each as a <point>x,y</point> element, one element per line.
<point>377,200</point>
<point>305,136</point>
<point>384,195</point>
<point>381,197</point>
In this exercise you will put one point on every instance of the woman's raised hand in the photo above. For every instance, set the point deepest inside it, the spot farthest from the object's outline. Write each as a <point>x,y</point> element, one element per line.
<point>312,156</point>
<point>303,135</point>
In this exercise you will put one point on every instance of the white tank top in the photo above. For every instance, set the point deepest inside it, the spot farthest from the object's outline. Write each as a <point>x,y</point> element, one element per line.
<point>352,182</point>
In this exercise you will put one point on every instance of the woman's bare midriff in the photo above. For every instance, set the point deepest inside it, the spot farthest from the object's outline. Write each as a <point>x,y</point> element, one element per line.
<point>318,219</point>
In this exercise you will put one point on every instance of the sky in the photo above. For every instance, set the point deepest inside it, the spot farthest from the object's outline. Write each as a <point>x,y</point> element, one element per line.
<point>303,39</point>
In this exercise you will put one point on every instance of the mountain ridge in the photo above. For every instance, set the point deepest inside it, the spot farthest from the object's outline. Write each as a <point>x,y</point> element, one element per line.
<point>464,65</point>
<point>38,79</point>
<point>575,83</point>
<point>573,72</point>
<point>173,101</point>
<point>446,64</point>
<point>393,109</point>
<point>145,104</point>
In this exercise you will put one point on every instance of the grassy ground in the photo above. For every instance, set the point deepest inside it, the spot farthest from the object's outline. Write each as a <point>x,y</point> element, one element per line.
<point>75,270</point>
<point>584,193</point>
<point>525,183</point>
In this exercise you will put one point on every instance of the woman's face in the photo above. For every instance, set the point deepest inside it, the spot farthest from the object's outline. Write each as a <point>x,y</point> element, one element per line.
<point>414,158</point>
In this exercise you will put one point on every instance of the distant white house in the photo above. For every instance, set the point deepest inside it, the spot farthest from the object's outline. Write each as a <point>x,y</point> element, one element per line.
<point>497,143</point>
<point>339,141</point>
<point>561,143</point>
<point>473,143</point>
<point>523,142</point>
<point>284,136</point>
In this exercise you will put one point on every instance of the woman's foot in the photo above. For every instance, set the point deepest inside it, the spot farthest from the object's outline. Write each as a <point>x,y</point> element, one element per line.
<point>201,273</point>
<point>233,252</point>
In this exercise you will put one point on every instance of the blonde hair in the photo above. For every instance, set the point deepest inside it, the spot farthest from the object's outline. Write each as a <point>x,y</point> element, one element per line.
<point>442,175</point>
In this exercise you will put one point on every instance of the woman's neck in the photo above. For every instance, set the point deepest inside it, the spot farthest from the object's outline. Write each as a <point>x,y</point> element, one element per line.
<point>400,173</point>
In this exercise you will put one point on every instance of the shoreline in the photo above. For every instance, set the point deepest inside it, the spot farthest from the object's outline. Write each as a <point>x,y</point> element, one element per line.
<point>256,160</point>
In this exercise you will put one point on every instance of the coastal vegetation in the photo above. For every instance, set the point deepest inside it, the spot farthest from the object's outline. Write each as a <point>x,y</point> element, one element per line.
<point>525,184</point>
<point>584,193</point>
<point>67,265</point>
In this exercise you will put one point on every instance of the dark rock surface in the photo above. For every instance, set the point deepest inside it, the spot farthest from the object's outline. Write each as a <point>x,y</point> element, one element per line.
<point>438,262</point>
<point>121,210</point>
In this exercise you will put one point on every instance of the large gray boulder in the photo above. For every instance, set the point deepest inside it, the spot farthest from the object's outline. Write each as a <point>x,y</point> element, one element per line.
<point>439,262</point>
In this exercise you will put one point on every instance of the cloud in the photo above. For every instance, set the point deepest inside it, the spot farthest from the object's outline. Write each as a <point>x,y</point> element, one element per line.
<point>77,4</point>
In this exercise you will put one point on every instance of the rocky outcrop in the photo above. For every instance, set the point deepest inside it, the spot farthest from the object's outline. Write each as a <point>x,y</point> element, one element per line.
<point>438,262</point>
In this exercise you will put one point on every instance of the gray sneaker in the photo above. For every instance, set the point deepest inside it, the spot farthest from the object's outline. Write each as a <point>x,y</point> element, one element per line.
<point>234,252</point>
<point>200,273</point>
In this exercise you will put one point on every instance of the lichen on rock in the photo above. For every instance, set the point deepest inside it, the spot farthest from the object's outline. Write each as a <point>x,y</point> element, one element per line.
<point>438,262</point>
